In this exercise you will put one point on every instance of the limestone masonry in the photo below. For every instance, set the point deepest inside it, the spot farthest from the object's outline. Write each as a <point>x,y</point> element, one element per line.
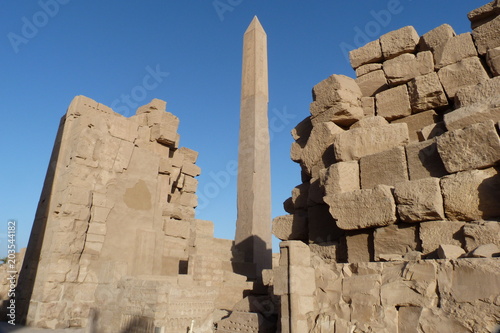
<point>395,227</point>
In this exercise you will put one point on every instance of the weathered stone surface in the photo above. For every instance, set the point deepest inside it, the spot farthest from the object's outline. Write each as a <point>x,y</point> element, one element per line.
<point>385,168</point>
<point>408,318</point>
<point>480,233</point>
<point>436,37</point>
<point>358,247</point>
<point>485,251</point>
<point>301,132</point>
<point>326,251</point>
<point>417,121</point>
<point>343,114</point>
<point>471,195</point>
<point>394,239</point>
<point>368,105</point>
<point>393,103</point>
<point>407,67</point>
<point>340,177</point>
<point>433,234</point>
<point>290,227</point>
<point>431,131</point>
<point>334,89</point>
<point>363,208</point>
<point>437,321</point>
<point>473,114</point>
<point>300,193</point>
<point>370,121</point>
<point>365,69</point>
<point>400,41</point>
<point>454,50</point>
<point>424,160</point>
<point>371,52</point>
<point>426,92</point>
<point>474,147</point>
<point>372,83</point>
<point>487,36</point>
<point>484,13</point>
<point>359,142</point>
<point>449,251</point>
<point>322,136</point>
<point>252,322</point>
<point>467,72</point>
<point>477,93</point>
<point>493,59</point>
<point>419,200</point>
<point>322,227</point>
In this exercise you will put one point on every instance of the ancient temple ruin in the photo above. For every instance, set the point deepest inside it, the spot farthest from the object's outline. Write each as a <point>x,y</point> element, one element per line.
<point>395,227</point>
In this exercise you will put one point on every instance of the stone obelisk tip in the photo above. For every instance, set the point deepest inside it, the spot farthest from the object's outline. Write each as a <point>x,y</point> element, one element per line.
<point>255,24</point>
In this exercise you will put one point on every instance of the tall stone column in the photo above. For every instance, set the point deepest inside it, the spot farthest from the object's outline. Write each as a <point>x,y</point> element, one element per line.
<point>253,227</point>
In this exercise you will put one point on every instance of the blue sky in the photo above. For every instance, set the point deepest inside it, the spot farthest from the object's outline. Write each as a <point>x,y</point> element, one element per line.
<point>53,50</point>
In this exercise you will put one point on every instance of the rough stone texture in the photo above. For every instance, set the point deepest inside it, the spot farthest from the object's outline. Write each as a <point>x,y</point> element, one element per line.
<point>371,52</point>
<point>419,200</point>
<point>393,103</point>
<point>436,37</point>
<point>400,41</point>
<point>342,114</point>
<point>431,131</point>
<point>473,114</point>
<point>368,105</point>
<point>359,142</point>
<point>290,227</point>
<point>426,92</point>
<point>372,83</point>
<point>358,247</point>
<point>424,160</point>
<point>407,67</point>
<point>471,195</point>
<point>487,36</point>
<point>417,122</point>
<point>340,177</point>
<point>477,93</point>
<point>474,147</point>
<point>394,239</point>
<point>454,50</point>
<point>363,208</point>
<point>485,251</point>
<point>484,13</point>
<point>449,252</point>
<point>467,72</point>
<point>365,69</point>
<point>480,233</point>
<point>433,234</point>
<point>386,168</point>
<point>493,59</point>
<point>370,121</point>
<point>321,225</point>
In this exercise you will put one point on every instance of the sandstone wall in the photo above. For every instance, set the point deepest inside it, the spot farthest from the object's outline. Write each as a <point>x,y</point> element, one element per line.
<point>402,164</point>
<point>115,242</point>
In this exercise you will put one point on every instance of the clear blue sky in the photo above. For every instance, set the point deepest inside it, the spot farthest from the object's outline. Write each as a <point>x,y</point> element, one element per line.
<point>104,49</point>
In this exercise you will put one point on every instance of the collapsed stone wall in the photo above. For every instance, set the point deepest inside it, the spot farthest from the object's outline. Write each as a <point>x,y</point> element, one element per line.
<point>398,165</point>
<point>115,243</point>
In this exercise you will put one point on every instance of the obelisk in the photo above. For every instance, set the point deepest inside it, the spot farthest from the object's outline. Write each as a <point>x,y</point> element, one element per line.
<point>253,226</point>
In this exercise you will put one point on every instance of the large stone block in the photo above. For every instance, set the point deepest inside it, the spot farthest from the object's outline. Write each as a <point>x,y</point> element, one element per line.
<point>432,234</point>
<point>359,246</point>
<point>474,147</point>
<point>424,160</point>
<point>493,60</point>
<point>334,89</point>
<point>369,53</point>
<point>467,72</point>
<point>370,121</point>
<point>408,318</point>
<point>393,103</point>
<point>407,67</point>
<point>484,13</point>
<point>487,36</point>
<point>300,193</point>
<point>481,233</point>
<point>372,83</point>
<point>436,37</point>
<point>396,239</point>
<point>426,92</point>
<point>431,131</point>
<point>359,142</point>
<point>368,105</point>
<point>400,41</point>
<point>322,226</point>
<point>363,209</point>
<point>385,168</point>
<point>290,227</point>
<point>477,93</point>
<point>301,132</point>
<point>343,114</point>
<point>419,200</point>
<point>473,114</point>
<point>322,137</point>
<point>365,69</point>
<point>472,195</point>
<point>416,122</point>
<point>454,50</point>
<point>340,177</point>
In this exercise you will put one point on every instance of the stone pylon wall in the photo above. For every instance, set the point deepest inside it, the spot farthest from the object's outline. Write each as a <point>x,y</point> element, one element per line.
<point>115,243</point>
<point>398,165</point>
